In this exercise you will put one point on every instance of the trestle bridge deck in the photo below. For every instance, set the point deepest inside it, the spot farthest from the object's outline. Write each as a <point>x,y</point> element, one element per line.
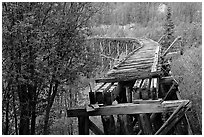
<point>140,91</point>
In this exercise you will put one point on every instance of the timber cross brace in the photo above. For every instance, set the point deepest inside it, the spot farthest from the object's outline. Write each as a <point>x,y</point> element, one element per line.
<point>146,97</point>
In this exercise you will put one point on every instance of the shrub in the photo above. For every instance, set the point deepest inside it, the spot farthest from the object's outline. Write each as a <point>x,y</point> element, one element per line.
<point>189,68</point>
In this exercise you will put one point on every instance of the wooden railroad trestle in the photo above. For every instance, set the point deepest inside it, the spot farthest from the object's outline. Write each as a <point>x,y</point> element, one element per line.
<point>140,93</point>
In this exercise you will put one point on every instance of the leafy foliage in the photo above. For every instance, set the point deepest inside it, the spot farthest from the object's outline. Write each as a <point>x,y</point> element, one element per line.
<point>188,71</point>
<point>43,47</point>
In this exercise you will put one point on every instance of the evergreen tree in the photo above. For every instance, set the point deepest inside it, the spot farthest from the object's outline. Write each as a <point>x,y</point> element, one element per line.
<point>169,29</point>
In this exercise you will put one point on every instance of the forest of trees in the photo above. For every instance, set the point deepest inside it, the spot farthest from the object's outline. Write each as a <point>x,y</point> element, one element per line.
<point>46,67</point>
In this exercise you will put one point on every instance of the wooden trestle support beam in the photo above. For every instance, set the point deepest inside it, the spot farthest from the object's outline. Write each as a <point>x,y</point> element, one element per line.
<point>148,102</point>
<point>141,107</point>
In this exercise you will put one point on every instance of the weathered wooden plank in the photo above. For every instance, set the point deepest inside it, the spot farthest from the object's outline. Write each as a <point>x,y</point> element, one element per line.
<point>132,77</point>
<point>128,73</point>
<point>94,128</point>
<point>133,67</point>
<point>150,50</point>
<point>128,108</point>
<point>140,101</point>
<point>142,54</point>
<point>137,63</point>
<point>156,57</point>
<point>108,87</point>
<point>138,83</point>
<point>154,81</point>
<point>123,60</point>
<point>113,87</point>
<point>100,86</point>
<point>91,107</point>
<point>140,59</point>
<point>138,69</point>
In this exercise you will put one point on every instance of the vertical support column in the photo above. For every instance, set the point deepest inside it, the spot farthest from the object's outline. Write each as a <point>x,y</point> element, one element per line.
<point>128,94</point>
<point>101,48</point>
<point>156,120</point>
<point>108,121</point>
<point>145,118</point>
<point>109,52</point>
<point>133,45</point>
<point>124,122</point>
<point>118,49</point>
<point>83,125</point>
<point>108,125</point>
<point>126,49</point>
<point>146,124</point>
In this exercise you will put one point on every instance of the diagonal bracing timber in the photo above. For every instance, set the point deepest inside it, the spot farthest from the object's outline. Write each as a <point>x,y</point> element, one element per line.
<point>174,118</point>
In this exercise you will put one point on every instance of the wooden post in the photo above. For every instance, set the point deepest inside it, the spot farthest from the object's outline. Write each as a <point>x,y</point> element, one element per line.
<point>128,94</point>
<point>133,46</point>
<point>83,125</point>
<point>146,124</point>
<point>108,121</point>
<point>118,49</point>
<point>108,125</point>
<point>124,122</point>
<point>161,93</point>
<point>126,49</point>
<point>101,48</point>
<point>156,120</point>
<point>109,52</point>
<point>99,97</point>
<point>92,98</point>
<point>107,98</point>
<point>145,118</point>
